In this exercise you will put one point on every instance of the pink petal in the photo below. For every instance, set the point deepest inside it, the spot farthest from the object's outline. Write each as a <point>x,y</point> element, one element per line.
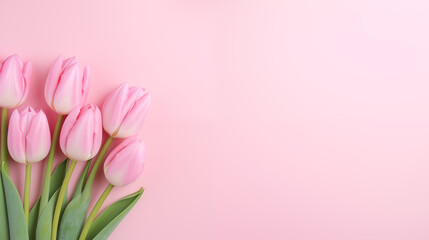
<point>38,138</point>
<point>135,116</point>
<point>68,93</point>
<point>53,80</point>
<point>113,109</point>
<point>16,138</point>
<point>68,124</point>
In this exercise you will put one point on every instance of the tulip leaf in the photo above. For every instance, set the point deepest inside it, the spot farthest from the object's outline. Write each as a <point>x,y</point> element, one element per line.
<point>81,183</point>
<point>56,181</point>
<point>109,219</point>
<point>74,217</point>
<point>44,228</point>
<point>15,212</point>
<point>4,226</point>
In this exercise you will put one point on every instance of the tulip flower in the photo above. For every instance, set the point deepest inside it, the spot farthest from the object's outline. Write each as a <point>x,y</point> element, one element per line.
<point>80,140</point>
<point>14,85</point>
<point>124,111</point>
<point>14,81</point>
<point>80,137</point>
<point>29,140</point>
<point>67,85</point>
<point>123,166</point>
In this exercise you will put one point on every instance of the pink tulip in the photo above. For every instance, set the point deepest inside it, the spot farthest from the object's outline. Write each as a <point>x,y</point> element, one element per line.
<point>125,162</point>
<point>67,85</point>
<point>14,81</point>
<point>124,110</point>
<point>28,139</point>
<point>80,137</point>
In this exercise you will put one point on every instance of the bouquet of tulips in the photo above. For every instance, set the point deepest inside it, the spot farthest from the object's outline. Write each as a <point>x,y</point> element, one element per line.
<point>79,129</point>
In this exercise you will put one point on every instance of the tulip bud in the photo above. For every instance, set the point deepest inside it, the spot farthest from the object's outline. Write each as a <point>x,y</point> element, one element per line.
<point>28,138</point>
<point>81,134</point>
<point>67,85</point>
<point>125,162</point>
<point>124,110</point>
<point>14,81</point>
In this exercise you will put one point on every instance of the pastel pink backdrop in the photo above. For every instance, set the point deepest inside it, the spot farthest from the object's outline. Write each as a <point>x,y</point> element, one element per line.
<point>270,119</point>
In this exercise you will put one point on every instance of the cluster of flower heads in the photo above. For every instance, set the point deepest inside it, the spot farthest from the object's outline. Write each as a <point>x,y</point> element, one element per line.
<point>66,89</point>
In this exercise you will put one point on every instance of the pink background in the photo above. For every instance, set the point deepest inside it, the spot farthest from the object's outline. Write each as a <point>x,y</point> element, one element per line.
<point>270,119</point>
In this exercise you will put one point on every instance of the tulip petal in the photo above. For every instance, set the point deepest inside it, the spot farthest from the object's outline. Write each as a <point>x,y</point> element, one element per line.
<point>135,117</point>
<point>68,93</point>
<point>38,138</point>
<point>26,75</point>
<point>113,109</point>
<point>67,126</point>
<point>16,138</point>
<point>85,84</point>
<point>11,82</point>
<point>98,132</point>
<point>52,80</point>
<point>119,148</point>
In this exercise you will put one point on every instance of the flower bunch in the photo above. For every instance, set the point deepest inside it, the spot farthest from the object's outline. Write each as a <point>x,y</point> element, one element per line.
<point>79,131</point>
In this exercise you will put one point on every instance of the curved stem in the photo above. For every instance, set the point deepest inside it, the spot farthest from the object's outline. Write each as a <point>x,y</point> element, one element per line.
<point>94,212</point>
<point>60,199</point>
<point>3,140</point>
<point>50,161</point>
<point>97,163</point>
<point>27,191</point>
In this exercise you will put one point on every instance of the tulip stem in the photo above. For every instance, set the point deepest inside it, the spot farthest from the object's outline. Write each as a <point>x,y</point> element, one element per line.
<point>27,191</point>
<point>97,163</point>
<point>50,161</point>
<point>60,199</point>
<point>94,211</point>
<point>3,149</point>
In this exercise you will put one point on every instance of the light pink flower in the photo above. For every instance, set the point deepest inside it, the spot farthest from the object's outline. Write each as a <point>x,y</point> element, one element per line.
<point>125,162</point>
<point>14,81</point>
<point>124,110</point>
<point>28,139</point>
<point>67,85</point>
<point>81,134</point>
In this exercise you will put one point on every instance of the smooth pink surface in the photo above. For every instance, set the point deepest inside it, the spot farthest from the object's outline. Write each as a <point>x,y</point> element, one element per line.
<point>295,120</point>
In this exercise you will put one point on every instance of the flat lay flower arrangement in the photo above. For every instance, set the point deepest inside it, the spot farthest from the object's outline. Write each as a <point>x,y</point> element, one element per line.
<point>78,130</point>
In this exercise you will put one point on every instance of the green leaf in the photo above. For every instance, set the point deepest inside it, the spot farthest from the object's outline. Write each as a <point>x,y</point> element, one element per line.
<point>4,226</point>
<point>109,219</point>
<point>44,228</point>
<point>56,181</point>
<point>81,183</point>
<point>18,229</point>
<point>58,177</point>
<point>32,220</point>
<point>74,216</point>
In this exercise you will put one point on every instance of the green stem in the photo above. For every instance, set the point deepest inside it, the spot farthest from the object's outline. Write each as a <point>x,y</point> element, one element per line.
<point>3,140</point>
<point>94,212</point>
<point>91,177</point>
<point>27,191</point>
<point>60,199</point>
<point>50,161</point>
